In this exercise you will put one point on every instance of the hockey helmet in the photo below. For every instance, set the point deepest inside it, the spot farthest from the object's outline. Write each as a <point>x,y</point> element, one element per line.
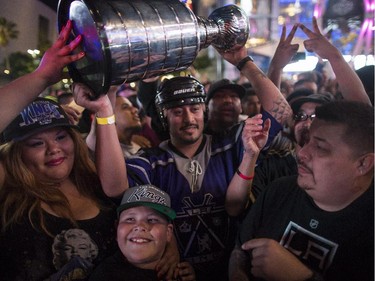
<point>178,91</point>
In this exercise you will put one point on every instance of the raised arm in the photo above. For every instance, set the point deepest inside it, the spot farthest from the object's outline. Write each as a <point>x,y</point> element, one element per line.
<point>285,51</point>
<point>350,85</point>
<point>109,159</point>
<point>269,95</point>
<point>254,137</point>
<point>20,92</point>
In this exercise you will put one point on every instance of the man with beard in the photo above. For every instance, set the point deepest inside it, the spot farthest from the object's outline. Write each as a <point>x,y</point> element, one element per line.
<point>318,225</point>
<point>224,106</point>
<point>197,170</point>
<point>281,158</point>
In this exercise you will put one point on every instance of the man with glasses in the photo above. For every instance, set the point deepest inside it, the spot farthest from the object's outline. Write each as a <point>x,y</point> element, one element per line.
<point>304,113</point>
<point>318,225</point>
<point>280,160</point>
<point>283,162</point>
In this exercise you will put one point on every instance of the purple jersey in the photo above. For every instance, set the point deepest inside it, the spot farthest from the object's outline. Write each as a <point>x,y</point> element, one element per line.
<point>197,187</point>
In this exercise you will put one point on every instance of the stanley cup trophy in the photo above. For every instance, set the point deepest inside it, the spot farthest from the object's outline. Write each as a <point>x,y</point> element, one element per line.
<point>130,40</point>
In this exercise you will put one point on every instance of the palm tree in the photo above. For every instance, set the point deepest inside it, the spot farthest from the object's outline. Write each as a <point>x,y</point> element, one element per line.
<point>8,31</point>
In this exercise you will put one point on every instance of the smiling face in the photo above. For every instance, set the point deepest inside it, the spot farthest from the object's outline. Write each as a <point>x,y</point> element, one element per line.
<point>49,155</point>
<point>327,166</point>
<point>142,235</point>
<point>186,124</point>
<point>127,117</point>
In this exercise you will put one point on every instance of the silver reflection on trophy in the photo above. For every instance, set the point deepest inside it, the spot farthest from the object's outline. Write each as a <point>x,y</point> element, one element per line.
<point>130,40</point>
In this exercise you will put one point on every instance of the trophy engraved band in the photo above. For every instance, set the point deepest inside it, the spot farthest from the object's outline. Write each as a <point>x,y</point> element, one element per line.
<point>130,40</point>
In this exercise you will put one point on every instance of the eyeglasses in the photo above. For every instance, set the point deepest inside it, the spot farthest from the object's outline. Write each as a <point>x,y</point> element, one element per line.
<point>302,116</point>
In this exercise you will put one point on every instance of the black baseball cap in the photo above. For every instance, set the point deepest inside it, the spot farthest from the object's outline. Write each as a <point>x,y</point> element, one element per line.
<point>225,84</point>
<point>39,115</point>
<point>315,98</point>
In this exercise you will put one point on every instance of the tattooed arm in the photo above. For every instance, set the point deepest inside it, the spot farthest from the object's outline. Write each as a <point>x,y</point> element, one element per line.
<point>269,95</point>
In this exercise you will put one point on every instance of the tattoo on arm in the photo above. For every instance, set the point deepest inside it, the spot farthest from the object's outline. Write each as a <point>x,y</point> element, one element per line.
<point>281,110</point>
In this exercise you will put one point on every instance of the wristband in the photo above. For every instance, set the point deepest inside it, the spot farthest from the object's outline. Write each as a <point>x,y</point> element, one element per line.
<point>242,62</point>
<point>105,120</point>
<point>243,176</point>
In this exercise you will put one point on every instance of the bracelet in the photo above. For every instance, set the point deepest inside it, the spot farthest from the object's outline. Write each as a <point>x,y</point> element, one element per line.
<point>242,62</point>
<point>105,120</point>
<point>243,176</point>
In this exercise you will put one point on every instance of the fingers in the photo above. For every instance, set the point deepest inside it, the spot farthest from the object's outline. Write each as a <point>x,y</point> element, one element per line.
<point>267,126</point>
<point>253,243</point>
<point>166,272</point>
<point>255,120</point>
<point>67,49</point>
<point>64,34</point>
<point>315,26</point>
<point>294,47</point>
<point>166,269</point>
<point>81,92</point>
<point>291,33</point>
<point>185,272</point>
<point>253,126</point>
<point>309,45</point>
<point>283,33</point>
<point>63,49</point>
<point>73,114</point>
<point>307,31</point>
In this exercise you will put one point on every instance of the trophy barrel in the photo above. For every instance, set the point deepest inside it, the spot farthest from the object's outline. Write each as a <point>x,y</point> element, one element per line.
<point>126,41</point>
<point>130,40</point>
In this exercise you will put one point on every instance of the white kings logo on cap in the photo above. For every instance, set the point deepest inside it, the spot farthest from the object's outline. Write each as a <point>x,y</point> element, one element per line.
<point>40,112</point>
<point>147,194</point>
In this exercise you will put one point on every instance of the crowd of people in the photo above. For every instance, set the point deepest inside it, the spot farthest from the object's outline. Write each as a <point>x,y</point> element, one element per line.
<point>175,180</point>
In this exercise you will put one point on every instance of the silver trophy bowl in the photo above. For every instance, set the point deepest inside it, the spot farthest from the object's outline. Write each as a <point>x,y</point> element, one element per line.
<point>130,40</point>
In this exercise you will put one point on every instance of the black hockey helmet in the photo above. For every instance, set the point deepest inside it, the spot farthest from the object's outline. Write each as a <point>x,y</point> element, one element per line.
<point>178,91</point>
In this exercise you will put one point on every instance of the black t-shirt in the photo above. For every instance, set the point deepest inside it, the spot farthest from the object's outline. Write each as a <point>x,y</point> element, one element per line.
<point>339,245</point>
<point>117,268</point>
<point>270,168</point>
<point>28,254</point>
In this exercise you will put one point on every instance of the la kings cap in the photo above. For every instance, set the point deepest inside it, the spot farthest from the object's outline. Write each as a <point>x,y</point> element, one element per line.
<point>149,196</point>
<point>39,115</point>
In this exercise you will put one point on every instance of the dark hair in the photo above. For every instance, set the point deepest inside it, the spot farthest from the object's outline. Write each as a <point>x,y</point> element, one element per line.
<point>64,98</point>
<point>358,119</point>
<point>22,193</point>
<point>178,91</point>
<point>300,82</point>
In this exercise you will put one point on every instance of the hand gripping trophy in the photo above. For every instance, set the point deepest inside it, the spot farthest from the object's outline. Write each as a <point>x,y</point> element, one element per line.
<point>130,40</point>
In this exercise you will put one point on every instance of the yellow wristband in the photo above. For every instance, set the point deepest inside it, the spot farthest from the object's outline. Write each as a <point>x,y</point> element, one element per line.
<point>105,120</point>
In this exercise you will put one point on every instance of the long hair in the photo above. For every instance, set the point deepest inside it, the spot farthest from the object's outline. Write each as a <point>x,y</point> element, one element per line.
<point>22,193</point>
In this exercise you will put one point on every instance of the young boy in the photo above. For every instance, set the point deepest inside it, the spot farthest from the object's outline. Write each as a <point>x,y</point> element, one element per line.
<point>143,231</point>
